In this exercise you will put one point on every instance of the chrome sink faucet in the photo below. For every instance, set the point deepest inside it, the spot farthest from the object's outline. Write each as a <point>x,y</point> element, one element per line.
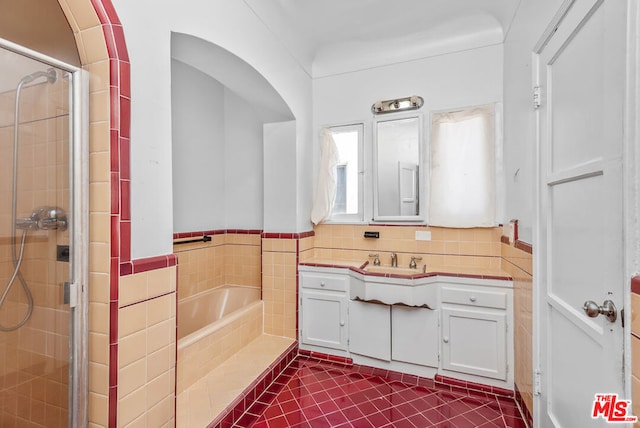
<point>394,260</point>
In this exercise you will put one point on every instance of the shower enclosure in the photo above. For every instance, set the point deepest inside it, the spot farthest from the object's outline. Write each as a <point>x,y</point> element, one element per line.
<point>43,248</point>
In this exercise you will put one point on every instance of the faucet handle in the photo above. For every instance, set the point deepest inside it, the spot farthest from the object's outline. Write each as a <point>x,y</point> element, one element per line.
<point>412,264</point>
<point>376,261</point>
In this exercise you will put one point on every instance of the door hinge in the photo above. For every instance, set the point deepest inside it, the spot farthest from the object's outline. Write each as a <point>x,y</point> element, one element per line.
<point>537,389</point>
<point>70,294</point>
<point>622,317</point>
<point>536,97</point>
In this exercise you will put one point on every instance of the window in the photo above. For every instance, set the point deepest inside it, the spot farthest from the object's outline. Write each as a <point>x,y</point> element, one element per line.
<point>463,169</point>
<point>348,202</point>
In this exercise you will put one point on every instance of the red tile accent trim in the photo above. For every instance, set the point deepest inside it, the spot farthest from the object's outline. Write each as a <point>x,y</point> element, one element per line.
<point>197,234</point>
<point>126,268</point>
<point>515,230</point>
<point>326,357</point>
<point>635,284</point>
<point>153,263</point>
<point>120,119</point>
<point>524,246</point>
<point>504,239</point>
<point>113,322</point>
<point>445,380</point>
<point>276,235</point>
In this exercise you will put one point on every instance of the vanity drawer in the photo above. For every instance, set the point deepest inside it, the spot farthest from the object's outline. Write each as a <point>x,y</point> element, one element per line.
<point>486,299</point>
<point>324,282</point>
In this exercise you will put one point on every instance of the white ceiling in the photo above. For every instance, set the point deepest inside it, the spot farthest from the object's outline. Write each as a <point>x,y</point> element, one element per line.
<point>334,36</point>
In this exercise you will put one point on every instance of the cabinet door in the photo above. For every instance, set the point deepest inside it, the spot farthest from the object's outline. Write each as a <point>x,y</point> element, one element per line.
<point>324,319</point>
<point>370,330</point>
<point>474,342</point>
<point>414,335</point>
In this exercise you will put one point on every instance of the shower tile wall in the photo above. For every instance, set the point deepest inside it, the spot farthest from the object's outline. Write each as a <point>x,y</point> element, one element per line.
<point>34,359</point>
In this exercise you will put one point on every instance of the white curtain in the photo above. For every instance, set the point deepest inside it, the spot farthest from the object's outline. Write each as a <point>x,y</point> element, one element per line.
<point>326,187</point>
<point>463,175</point>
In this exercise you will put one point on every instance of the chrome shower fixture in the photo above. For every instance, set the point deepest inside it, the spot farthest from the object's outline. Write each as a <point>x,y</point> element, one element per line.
<point>44,218</point>
<point>50,75</point>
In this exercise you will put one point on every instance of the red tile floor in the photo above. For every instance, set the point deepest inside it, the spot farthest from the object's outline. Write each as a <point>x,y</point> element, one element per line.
<point>314,393</point>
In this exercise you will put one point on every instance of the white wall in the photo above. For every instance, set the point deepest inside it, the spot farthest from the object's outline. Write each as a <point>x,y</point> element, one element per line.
<point>198,150</point>
<point>232,25</point>
<point>459,79</point>
<point>244,171</point>
<point>280,208</point>
<point>217,155</point>
<point>519,116</point>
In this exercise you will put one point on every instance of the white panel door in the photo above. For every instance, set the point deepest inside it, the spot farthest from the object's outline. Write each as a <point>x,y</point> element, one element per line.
<point>370,330</point>
<point>324,319</point>
<point>475,342</point>
<point>580,230</point>
<point>414,335</point>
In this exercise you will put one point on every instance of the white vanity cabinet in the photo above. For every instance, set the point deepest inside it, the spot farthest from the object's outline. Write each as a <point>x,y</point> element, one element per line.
<point>475,338</point>
<point>323,309</point>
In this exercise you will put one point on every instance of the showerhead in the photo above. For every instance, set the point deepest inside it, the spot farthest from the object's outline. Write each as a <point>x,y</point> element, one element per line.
<point>50,75</point>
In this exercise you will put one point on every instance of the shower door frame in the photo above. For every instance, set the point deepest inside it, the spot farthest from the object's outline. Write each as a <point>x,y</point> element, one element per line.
<point>78,231</point>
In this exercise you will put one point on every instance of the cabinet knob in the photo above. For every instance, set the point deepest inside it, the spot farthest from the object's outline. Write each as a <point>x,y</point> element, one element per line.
<point>322,284</point>
<point>445,339</point>
<point>472,298</point>
<point>341,323</point>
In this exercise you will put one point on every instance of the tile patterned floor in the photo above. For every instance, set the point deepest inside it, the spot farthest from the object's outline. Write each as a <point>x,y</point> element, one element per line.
<point>314,393</point>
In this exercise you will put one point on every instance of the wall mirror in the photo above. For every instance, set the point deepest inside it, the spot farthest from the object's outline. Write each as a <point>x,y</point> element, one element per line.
<point>398,166</point>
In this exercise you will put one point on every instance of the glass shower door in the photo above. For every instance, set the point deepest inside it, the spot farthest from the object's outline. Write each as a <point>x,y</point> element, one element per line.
<point>37,235</point>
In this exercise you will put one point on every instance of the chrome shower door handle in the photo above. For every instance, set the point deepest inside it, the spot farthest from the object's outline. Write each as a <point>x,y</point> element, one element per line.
<point>608,309</point>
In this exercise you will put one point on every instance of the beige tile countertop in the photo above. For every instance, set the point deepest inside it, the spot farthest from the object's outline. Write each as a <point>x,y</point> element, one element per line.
<point>366,268</point>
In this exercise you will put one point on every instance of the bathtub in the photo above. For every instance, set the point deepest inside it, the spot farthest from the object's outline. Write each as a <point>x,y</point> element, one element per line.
<point>214,325</point>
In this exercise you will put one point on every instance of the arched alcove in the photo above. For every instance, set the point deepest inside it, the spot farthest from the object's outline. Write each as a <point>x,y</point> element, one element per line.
<point>220,104</point>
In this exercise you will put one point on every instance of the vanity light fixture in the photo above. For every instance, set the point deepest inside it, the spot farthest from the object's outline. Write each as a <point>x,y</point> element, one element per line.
<point>399,104</point>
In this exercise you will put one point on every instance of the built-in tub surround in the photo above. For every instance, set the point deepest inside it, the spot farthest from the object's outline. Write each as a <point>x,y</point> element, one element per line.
<point>201,351</point>
<point>219,307</point>
<point>204,309</point>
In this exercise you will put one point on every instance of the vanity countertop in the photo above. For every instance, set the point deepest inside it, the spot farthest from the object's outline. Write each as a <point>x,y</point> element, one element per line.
<point>431,270</point>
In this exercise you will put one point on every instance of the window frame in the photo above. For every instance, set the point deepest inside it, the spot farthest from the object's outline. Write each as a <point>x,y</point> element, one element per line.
<point>357,217</point>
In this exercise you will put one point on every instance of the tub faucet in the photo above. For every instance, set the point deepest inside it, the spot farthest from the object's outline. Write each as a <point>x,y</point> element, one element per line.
<point>394,260</point>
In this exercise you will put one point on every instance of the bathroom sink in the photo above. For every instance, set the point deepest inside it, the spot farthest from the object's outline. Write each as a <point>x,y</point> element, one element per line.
<point>395,270</point>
